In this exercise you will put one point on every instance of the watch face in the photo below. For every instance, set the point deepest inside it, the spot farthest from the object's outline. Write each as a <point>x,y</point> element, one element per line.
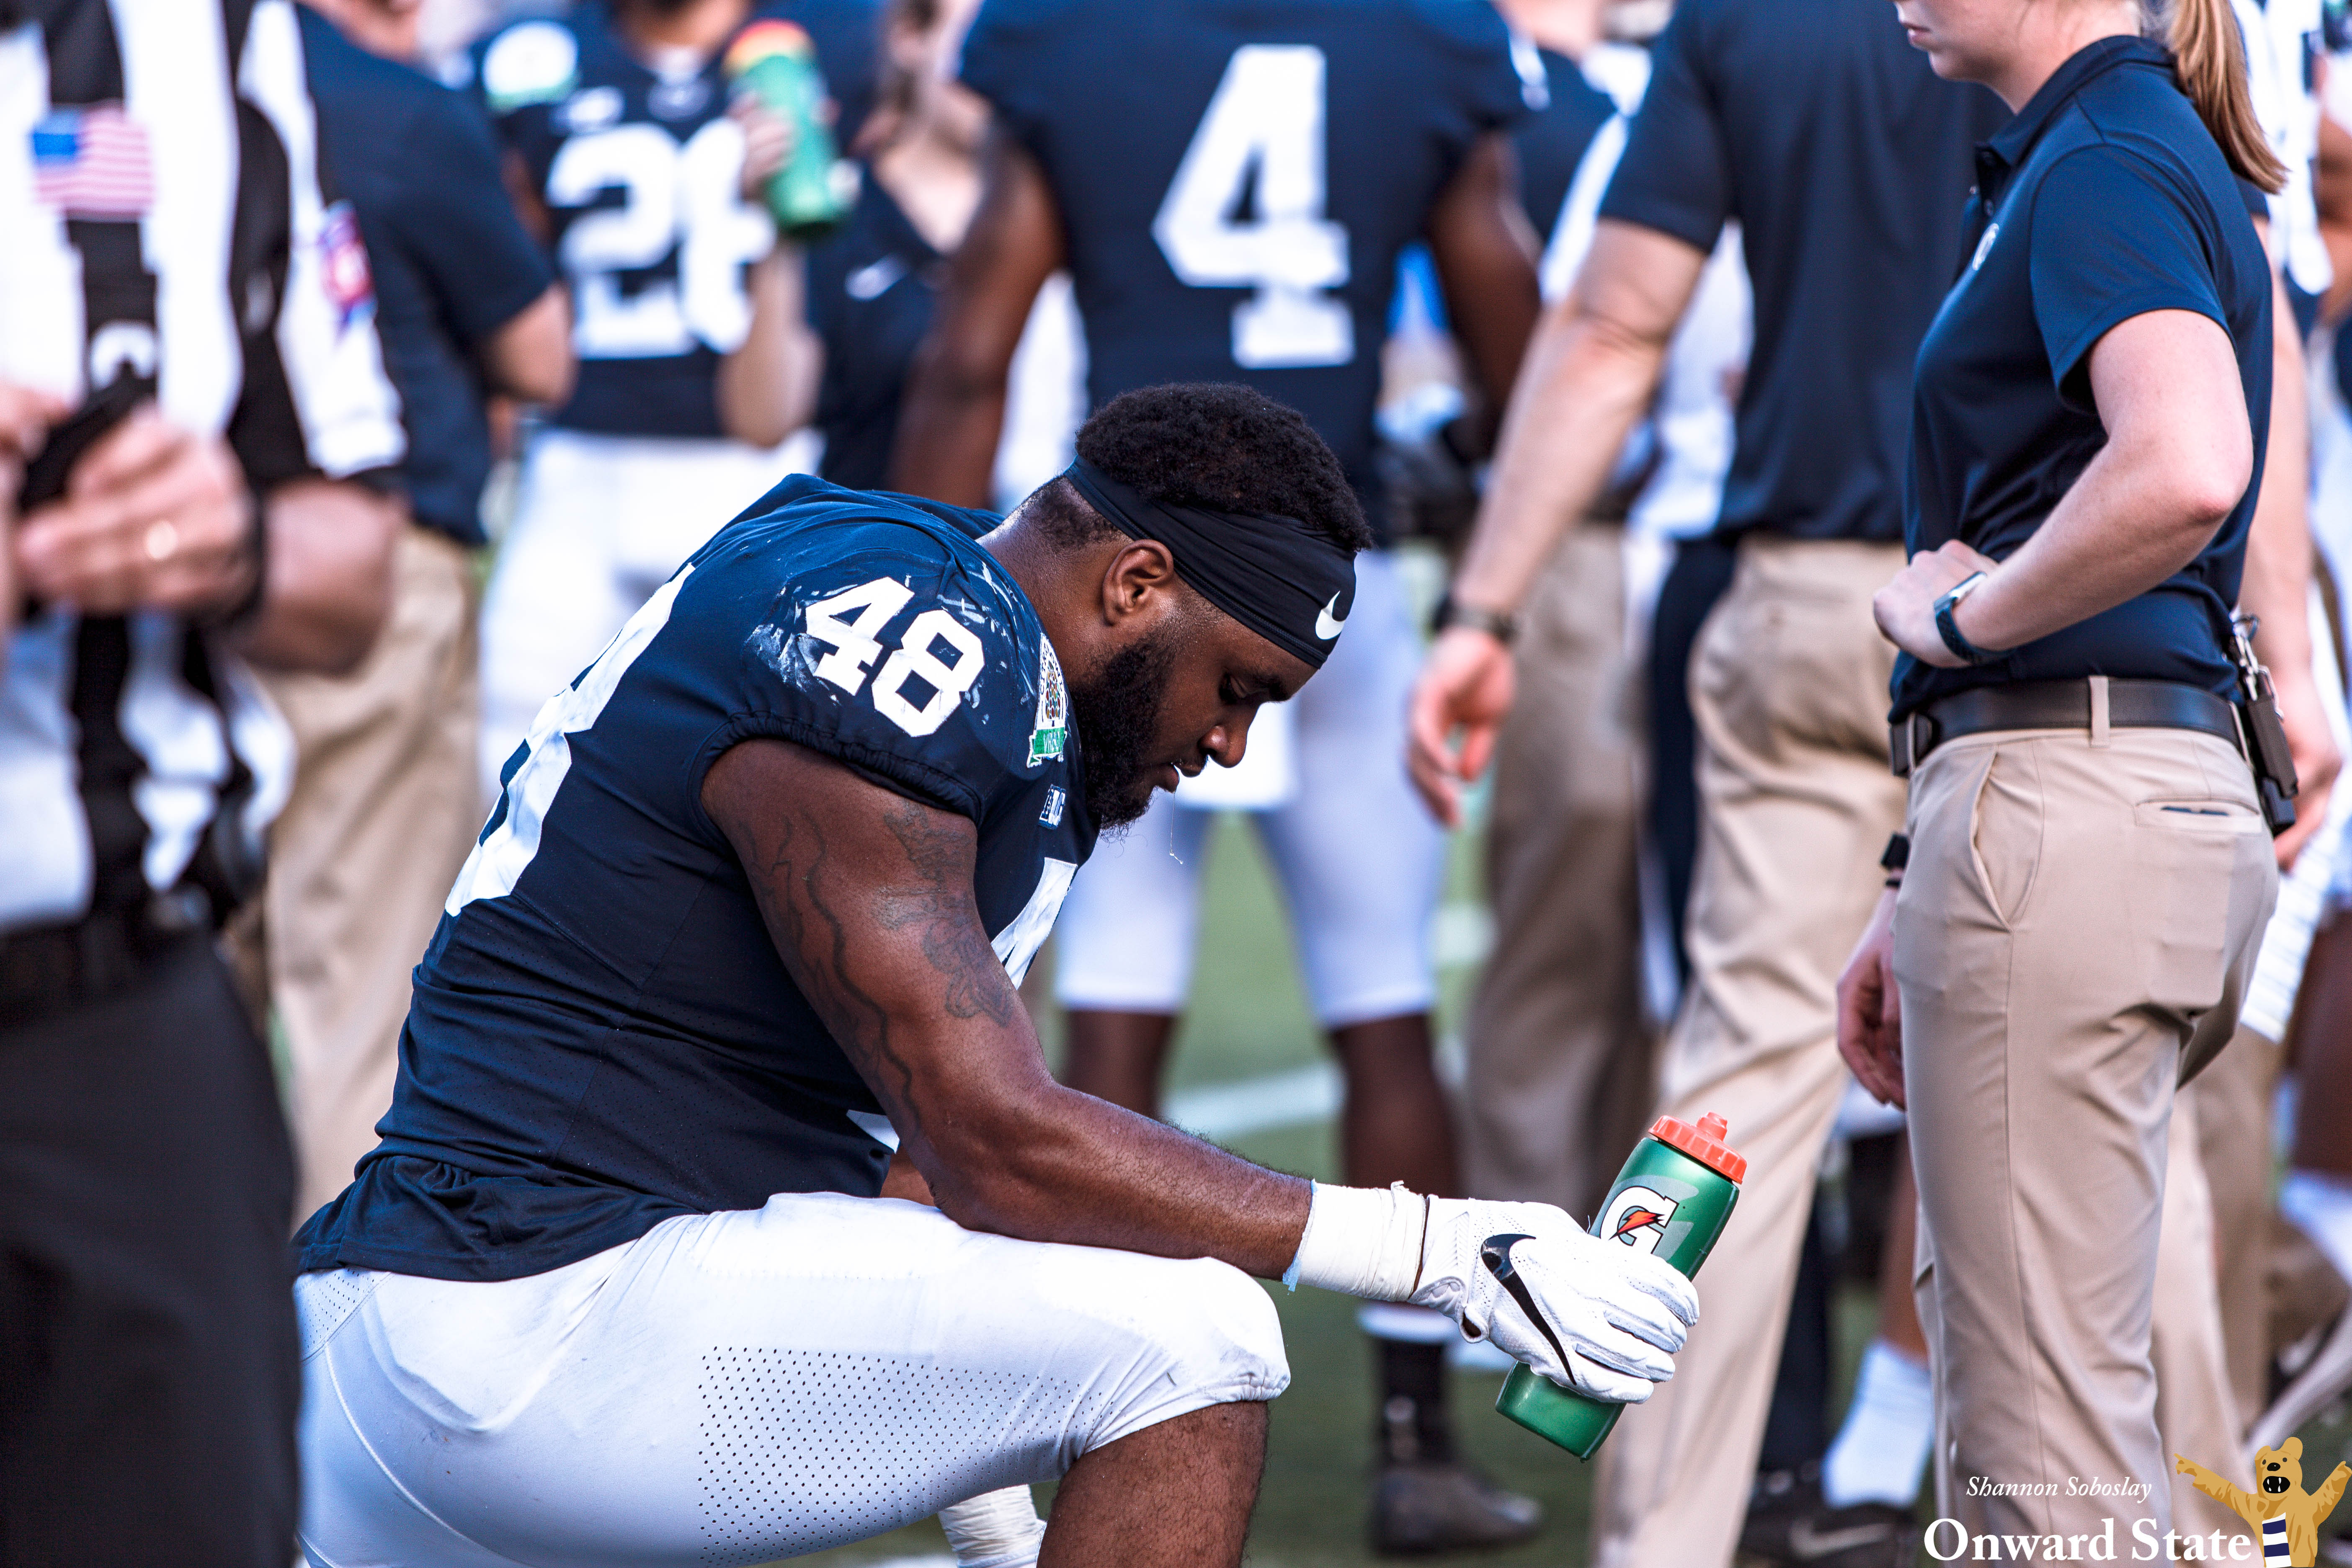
<point>1949,630</point>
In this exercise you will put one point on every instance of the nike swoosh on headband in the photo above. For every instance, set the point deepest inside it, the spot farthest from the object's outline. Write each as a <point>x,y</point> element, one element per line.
<point>1325,626</point>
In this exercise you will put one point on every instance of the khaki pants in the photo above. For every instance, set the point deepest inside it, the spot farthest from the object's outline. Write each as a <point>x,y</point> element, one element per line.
<point>2079,919</point>
<point>1562,1064</point>
<point>2196,1411</point>
<point>386,803</point>
<point>1789,687</point>
<point>2234,1135</point>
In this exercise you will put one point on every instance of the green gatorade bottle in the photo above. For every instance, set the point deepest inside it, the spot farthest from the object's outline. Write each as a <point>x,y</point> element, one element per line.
<point>1672,1199</point>
<point>812,193</point>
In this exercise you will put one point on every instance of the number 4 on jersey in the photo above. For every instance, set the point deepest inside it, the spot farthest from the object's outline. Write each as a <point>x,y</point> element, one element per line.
<point>1266,121</point>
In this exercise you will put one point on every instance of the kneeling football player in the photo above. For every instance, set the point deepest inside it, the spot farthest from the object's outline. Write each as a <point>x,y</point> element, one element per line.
<point>617,1288</point>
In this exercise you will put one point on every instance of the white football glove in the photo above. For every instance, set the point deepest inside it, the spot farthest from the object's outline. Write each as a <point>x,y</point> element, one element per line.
<point>1606,1317</point>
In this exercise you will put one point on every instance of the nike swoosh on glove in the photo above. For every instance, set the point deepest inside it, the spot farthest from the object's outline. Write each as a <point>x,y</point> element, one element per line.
<point>1614,1314</point>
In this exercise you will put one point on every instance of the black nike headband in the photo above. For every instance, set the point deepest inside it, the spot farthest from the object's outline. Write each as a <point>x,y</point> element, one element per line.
<point>1275,576</point>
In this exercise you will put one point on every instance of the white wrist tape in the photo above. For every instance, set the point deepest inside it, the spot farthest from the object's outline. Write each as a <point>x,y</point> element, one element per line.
<point>995,1530</point>
<point>1361,1241</point>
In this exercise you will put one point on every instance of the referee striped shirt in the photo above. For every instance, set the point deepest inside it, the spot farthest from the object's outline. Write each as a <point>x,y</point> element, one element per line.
<point>163,218</point>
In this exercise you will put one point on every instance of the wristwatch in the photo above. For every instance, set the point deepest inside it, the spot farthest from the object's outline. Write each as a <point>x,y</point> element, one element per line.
<point>1500,625</point>
<point>1949,628</point>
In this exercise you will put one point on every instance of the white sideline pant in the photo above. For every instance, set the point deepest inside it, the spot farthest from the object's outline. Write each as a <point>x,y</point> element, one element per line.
<point>601,522</point>
<point>1360,858</point>
<point>733,1388</point>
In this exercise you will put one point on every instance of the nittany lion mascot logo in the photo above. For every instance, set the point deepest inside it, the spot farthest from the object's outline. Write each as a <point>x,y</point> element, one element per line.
<point>2284,1516</point>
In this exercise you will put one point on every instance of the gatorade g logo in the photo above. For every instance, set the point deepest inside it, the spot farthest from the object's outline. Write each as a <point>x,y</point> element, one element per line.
<point>1637,1217</point>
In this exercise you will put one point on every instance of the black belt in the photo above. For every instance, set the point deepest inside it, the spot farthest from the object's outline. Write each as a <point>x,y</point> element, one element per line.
<point>2059,705</point>
<point>47,970</point>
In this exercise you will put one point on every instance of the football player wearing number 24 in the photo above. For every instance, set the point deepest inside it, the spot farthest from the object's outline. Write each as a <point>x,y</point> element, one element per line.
<point>630,157</point>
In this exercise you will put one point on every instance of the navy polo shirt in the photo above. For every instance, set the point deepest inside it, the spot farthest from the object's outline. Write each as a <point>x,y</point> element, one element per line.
<point>451,262</point>
<point>2104,199</point>
<point>1847,163</point>
<point>871,292</point>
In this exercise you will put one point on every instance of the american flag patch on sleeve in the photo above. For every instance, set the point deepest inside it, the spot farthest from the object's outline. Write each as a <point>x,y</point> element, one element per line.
<point>92,162</point>
<point>344,264</point>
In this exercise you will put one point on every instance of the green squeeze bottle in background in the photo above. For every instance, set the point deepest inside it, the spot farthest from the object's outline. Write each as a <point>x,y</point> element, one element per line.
<point>812,193</point>
<point>1673,1199</point>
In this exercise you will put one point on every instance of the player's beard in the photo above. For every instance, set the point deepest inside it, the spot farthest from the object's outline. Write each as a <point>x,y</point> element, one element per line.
<point>1117,716</point>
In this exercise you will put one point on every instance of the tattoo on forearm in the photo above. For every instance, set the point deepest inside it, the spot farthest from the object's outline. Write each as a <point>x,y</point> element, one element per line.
<point>812,930</point>
<point>977,986</point>
<point>816,929</point>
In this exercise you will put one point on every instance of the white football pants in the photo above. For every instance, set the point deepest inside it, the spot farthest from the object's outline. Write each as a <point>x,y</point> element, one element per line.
<point>733,1388</point>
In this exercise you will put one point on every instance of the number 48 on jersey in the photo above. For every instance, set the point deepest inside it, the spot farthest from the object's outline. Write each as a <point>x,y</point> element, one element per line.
<point>850,624</point>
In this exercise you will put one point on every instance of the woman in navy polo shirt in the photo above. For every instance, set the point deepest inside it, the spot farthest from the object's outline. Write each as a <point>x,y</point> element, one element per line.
<point>2088,865</point>
<point>871,287</point>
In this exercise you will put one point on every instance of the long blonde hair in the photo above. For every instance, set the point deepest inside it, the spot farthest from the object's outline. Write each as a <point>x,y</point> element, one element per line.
<point>2210,59</point>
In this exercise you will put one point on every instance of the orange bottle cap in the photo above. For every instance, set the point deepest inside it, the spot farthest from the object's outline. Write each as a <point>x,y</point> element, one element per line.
<point>1704,1144</point>
<point>771,36</point>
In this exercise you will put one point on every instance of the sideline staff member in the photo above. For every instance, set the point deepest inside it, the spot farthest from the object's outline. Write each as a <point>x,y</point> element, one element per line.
<point>167,247</point>
<point>387,794</point>
<point>1845,163</point>
<point>2088,868</point>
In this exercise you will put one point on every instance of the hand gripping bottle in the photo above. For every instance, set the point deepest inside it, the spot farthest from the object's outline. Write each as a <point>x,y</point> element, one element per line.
<point>1672,1199</point>
<point>775,62</point>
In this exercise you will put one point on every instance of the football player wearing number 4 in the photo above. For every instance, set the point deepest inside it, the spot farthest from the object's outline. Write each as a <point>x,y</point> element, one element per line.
<point>1235,214</point>
<point>628,159</point>
<point>631,1280</point>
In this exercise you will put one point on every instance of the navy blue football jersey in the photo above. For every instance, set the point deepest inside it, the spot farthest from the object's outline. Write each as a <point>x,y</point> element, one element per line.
<point>641,174</point>
<point>601,1034</point>
<point>1237,177</point>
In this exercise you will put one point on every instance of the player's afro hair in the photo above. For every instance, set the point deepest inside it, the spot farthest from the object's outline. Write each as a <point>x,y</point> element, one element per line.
<point>1217,444</point>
